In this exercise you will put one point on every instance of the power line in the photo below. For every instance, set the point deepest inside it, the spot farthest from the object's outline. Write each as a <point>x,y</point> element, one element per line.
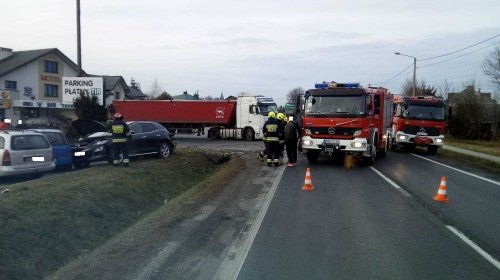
<point>439,62</point>
<point>446,54</point>
<point>395,76</point>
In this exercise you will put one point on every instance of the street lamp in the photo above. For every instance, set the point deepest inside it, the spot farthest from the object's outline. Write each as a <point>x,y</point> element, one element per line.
<point>414,70</point>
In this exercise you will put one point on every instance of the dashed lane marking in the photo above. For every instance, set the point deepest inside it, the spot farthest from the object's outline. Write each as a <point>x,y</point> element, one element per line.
<point>459,170</point>
<point>401,190</point>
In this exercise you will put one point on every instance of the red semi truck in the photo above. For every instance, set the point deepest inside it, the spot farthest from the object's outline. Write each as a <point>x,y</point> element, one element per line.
<point>239,119</point>
<point>419,121</point>
<point>341,118</point>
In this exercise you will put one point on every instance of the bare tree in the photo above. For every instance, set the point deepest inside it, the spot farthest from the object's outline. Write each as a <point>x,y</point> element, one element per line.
<point>445,88</point>
<point>470,114</point>
<point>155,89</point>
<point>491,66</point>
<point>209,97</point>
<point>296,97</point>
<point>421,88</point>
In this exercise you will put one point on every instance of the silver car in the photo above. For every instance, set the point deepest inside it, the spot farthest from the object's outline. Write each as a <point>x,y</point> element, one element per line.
<point>24,152</point>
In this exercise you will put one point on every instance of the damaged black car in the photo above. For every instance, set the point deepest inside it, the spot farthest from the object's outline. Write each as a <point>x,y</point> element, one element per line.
<point>147,138</point>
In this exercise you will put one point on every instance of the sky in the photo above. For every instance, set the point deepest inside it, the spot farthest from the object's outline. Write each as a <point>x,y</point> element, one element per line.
<point>263,47</point>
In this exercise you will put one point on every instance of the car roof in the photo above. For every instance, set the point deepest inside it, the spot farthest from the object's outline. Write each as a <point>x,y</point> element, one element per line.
<point>45,130</point>
<point>18,132</point>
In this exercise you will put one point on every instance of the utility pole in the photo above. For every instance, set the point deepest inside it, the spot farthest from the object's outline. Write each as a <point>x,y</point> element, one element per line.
<point>78,39</point>
<point>414,71</point>
<point>414,75</point>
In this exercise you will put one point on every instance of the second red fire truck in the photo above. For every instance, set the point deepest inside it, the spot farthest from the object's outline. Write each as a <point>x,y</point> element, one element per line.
<point>419,121</point>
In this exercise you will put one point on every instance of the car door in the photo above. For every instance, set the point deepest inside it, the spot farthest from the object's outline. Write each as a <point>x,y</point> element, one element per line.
<point>151,141</point>
<point>136,140</point>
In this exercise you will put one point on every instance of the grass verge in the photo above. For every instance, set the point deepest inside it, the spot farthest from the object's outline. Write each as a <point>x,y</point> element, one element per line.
<point>46,223</point>
<point>132,249</point>
<point>486,147</point>
<point>489,165</point>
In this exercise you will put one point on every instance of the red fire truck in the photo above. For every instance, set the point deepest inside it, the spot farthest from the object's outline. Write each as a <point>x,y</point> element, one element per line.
<point>418,121</point>
<point>341,118</point>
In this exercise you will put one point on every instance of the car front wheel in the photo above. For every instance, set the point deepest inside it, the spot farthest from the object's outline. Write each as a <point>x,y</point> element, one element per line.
<point>164,150</point>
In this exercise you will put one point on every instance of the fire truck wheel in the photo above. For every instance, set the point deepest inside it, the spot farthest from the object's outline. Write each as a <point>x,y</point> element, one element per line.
<point>312,156</point>
<point>432,150</point>
<point>383,152</point>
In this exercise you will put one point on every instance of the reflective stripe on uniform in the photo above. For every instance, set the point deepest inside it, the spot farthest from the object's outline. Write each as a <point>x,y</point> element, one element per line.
<point>119,140</point>
<point>118,128</point>
<point>272,127</point>
<point>272,139</point>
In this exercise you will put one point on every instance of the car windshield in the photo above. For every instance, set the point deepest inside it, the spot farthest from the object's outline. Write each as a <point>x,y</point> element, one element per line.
<point>424,112</point>
<point>335,105</point>
<point>29,142</point>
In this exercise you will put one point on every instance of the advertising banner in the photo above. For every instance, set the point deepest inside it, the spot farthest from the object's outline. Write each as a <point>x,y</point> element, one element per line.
<point>73,86</point>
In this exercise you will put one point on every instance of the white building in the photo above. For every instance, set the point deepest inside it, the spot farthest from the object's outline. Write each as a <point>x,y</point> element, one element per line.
<point>31,84</point>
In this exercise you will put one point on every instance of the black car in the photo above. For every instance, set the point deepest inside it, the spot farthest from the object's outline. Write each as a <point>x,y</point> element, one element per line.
<point>147,138</point>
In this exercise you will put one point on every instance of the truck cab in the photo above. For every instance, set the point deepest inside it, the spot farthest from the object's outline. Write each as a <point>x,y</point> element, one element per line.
<point>251,114</point>
<point>419,121</point>
<point>340,118</point>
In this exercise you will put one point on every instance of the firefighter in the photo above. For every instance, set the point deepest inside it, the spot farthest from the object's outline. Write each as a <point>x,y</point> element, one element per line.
<point>271,132</point>
<point>292,137</point>
<point>282,122</point>
<point>121,132</point>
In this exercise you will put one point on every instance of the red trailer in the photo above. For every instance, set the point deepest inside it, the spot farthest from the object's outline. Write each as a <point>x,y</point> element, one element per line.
<point>179,114</point>
<point>239,119</point>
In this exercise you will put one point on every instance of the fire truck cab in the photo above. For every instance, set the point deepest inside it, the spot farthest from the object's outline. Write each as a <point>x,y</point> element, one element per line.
<point>340,118</point>
<point>418,121</point>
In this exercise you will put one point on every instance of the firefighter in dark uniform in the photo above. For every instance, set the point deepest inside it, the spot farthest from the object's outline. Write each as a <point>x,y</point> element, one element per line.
<point>121,132</point>
<point>272,131</point>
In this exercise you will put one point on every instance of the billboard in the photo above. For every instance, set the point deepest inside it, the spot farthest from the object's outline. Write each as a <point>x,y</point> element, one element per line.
<point>72,87</point>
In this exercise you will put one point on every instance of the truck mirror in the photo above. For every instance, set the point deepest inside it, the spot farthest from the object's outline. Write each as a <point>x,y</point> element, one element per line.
<point>313,101</point>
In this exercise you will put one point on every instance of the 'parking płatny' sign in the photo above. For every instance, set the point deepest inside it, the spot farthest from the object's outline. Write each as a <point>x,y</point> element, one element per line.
<point>73,86</point>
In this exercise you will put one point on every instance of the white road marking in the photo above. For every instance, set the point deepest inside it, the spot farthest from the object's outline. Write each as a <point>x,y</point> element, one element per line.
<point>473,245</point>
<point>233,262</point>
<point>405,193</point>
<point>462,171</point>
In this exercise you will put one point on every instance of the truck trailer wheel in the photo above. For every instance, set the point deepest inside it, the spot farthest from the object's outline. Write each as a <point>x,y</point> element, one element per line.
<point>248,134</point>
<point>213,134</point>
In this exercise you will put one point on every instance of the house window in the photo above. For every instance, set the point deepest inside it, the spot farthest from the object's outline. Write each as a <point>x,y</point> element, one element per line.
<point>50,66</point>
<point>117,95</point>
<point>11,84</point>
<point>50,90</point>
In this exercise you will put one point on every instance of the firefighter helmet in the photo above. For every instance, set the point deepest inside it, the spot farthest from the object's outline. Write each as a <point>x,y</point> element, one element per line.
<point>271,114</point>
<point>281,116</point>
<point>117,116</point>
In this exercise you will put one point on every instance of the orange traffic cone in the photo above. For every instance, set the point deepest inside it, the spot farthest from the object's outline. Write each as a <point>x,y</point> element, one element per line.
<point>307,182</point>
<point>441,194</point>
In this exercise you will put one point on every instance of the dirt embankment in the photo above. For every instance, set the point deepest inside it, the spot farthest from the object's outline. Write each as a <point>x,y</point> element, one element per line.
<point>188,237</point>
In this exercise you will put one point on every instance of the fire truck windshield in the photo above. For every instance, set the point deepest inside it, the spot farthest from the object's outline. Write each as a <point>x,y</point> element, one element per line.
<point>265,108</point>
<point>338,105</point>
<point>424,112</point>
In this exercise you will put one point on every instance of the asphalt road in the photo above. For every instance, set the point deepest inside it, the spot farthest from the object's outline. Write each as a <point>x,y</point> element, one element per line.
<point>356,225</point>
